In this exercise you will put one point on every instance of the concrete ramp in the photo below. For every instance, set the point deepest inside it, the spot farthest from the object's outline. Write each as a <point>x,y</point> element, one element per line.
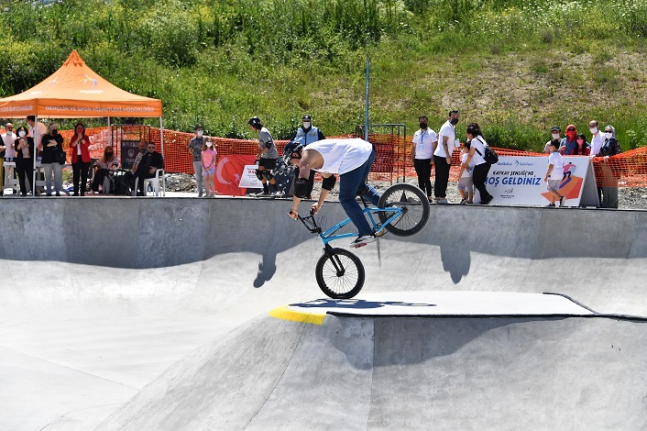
<point>98,297</point>
<point>414,373</point>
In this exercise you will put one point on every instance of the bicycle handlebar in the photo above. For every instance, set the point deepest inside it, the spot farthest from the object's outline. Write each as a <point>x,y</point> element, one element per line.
<point>310,222</point>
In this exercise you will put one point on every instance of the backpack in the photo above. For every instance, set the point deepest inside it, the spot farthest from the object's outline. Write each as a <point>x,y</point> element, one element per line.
<point>490,157</point>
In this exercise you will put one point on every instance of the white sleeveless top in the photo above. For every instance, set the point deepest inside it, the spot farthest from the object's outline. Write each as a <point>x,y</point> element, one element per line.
<point>341,155</point>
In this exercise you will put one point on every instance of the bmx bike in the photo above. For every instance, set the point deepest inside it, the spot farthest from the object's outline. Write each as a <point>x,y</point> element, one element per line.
<point>403,210</point>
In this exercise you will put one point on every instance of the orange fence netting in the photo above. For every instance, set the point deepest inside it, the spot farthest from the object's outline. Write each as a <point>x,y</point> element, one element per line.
<point>392,163</point>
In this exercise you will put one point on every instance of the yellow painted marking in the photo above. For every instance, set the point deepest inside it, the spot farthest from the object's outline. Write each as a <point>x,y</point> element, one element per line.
<point>297,316</point>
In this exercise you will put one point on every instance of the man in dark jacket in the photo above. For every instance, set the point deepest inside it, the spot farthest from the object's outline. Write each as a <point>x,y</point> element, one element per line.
<point>150,162</point>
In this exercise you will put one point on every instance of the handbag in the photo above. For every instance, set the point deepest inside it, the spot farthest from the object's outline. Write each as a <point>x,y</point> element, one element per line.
<point>61,156</point>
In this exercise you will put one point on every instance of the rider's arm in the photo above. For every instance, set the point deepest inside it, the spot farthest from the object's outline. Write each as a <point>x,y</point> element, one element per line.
<point>304,174</point>
<point>328,185</point>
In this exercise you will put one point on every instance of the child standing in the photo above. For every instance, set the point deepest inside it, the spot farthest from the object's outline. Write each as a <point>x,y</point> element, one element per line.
<point>465,182</point>
<point>209,168</point>
<point>555,173</point>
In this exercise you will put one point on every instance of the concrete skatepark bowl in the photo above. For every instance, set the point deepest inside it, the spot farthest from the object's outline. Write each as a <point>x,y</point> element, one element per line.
<point>187,314</point>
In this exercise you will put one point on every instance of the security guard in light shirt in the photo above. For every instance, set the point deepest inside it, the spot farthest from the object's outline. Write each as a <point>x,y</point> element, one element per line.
<point>307,134</point>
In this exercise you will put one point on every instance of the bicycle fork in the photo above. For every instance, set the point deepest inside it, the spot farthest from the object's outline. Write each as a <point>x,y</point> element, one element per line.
<point>336,262</point>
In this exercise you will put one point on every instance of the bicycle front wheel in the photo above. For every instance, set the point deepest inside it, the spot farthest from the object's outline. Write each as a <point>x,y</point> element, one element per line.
<point>414,205</point>
<point>340,274</point>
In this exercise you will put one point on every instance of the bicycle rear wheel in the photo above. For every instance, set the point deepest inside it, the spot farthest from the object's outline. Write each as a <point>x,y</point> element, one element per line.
<point>414,205</point>
<point>340,274</point>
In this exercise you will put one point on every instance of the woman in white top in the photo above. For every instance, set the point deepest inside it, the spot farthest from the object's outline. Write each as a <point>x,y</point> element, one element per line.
<point>481,167</point>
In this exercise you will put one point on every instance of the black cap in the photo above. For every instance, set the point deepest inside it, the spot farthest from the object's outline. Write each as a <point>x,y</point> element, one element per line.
<point>306,118</point>
<point>552,129</point>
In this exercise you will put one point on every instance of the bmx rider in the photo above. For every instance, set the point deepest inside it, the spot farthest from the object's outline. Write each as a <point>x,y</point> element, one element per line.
<point>352,160</point>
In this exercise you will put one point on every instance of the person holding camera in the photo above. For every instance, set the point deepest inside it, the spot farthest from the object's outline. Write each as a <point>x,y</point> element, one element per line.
<point>105,167</point>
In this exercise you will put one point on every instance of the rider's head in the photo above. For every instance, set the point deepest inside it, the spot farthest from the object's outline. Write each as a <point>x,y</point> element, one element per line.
<point>292,152</point>
<point>255,123</point>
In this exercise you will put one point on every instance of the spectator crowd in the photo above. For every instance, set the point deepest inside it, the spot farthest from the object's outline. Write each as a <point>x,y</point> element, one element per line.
<point>34,152</point>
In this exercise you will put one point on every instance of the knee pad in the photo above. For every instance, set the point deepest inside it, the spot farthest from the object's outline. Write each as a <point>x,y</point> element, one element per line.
<point>259,174</point>
<point>301,188</point>
<point>267,175</point>
<point>329,183</point>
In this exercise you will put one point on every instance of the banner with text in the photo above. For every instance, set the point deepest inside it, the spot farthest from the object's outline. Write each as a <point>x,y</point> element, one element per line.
<point>520,181</point>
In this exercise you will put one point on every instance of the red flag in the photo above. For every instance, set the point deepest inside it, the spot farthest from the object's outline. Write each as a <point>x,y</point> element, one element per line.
<point>229,172</point>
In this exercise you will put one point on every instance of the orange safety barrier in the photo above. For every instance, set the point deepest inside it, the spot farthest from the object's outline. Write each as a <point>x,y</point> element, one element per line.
<point>392,162</point>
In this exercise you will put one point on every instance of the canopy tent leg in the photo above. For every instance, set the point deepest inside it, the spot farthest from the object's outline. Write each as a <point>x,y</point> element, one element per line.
<point>33,174</point>
<point>163,156</point>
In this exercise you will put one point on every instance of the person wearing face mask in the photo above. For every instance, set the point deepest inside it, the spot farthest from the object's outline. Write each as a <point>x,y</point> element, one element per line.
<point>51,143</point>
<point>443,156</point>
<point>195,148</point>
<point>555,133</point>
<point>7,146</point>
<point>597,138</point>
<point>81,160</point>
<point>582,148</point>
<point>307,134</point>
<point>609,148</point>
<point>209,154</point>
<point>568,144</point>
<point>422,149</point>
<point>106,166</point>
<point>24,159</point>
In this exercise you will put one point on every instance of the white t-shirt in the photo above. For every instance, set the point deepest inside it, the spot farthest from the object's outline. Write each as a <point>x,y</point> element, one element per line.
<point>8,140</point>
<point>449,131</point>
<point>596,143</point>
<point>341,155</point>
<point>467,173</point>
<point>557,161</point>
<point>424,140</point>
<point>37,132</point>
<point>479,144</point>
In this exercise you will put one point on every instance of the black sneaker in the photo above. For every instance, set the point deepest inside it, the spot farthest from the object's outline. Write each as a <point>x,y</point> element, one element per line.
<point>487,200</point>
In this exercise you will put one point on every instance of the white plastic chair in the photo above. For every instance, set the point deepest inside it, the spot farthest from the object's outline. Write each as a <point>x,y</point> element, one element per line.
<point>155,183</point>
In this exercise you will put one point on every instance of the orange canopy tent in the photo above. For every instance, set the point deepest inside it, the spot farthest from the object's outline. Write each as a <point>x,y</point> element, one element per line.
<point>76,91</point>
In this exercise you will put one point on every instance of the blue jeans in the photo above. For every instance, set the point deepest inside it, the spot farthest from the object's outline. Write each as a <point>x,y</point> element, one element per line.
<point>353,184</point>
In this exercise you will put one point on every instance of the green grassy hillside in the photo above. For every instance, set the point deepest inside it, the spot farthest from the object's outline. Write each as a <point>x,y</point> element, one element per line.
<point>517,67</point>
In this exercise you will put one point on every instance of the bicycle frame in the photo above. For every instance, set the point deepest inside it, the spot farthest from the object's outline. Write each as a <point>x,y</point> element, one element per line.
<point>329,235</point>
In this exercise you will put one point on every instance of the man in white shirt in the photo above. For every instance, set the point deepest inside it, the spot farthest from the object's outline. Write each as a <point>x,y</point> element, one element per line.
<point>443,156</point>
<point>36,130</point>
<point>351,159</point>
<point>597,139</point>
<point>422,149</point>
<point>8,153</point>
